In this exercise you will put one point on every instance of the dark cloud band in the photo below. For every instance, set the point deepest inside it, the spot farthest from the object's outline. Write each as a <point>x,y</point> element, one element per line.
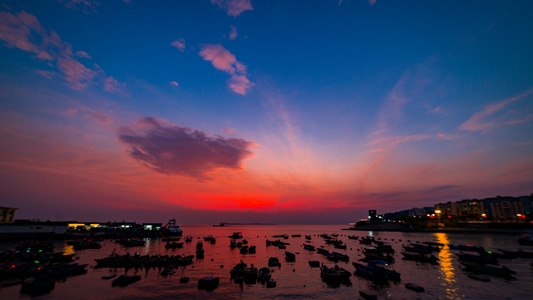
<point>170,149</point>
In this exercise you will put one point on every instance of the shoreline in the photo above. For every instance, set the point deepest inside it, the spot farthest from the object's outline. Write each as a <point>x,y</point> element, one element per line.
<point>396,228</point>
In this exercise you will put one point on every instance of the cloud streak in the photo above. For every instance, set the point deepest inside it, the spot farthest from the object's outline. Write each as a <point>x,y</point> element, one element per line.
<point>223,60</point>
<point>179,44</point>
<point>24,31</point>
<point>480,120</point>
<point>233,7</point>
<point>174,150</point>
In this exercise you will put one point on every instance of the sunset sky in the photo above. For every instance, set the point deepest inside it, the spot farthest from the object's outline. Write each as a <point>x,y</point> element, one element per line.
<point>261,111</point>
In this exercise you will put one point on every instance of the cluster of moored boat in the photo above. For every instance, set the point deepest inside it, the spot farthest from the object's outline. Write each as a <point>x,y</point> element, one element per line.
<point>37,267</point>
<point>38,278</point>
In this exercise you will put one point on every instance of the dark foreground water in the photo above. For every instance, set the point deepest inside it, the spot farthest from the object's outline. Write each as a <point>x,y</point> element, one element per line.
<point>295,280</point>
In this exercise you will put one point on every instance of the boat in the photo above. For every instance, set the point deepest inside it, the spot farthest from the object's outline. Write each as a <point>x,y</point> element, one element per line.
<point>414,287</point>
<point>335,275</point>
<point>264,275</point>
<point>36,286</point>
<point>466,247</point>
<point>526,240</point>
<point>171,238</point>
<point>309,247</point>
<point>236,235</point>
<point>168,272</point>
<point>503,272</point>
<point>271,284</point>
<point>109,276</point>
<point>368,296</point>
<point>517,253</point>
<point>173,228</point>
<point>174,245</point>
<point>63,270</point>
<point>314,263</point>
<point>238,271</point>
<point>131,242</point>
<point>420,257</point>
<point>480,259</point>
<point>250,274</point>
<point>322,250</point>
<point>336,256</point>
<point>478,277</point>
<point>211,239</point>
<point>290,257</point>
<point>208,283</point>
<point>372,274</point>
<point>274,262</point>
<point>125,280</point>
<point>308,237</point>
<point>391,275</point>
<point>188,239</point>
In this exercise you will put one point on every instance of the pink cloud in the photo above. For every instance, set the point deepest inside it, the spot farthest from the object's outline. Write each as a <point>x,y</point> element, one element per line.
<point>46,74</point>
<point>372,2</point>
<point>23,31</point>
<point>233,7</point>
<point>223,60</point>
<point>75,73</point>
<point>233,32</point>
<point>240,84</point>
<point>89,113</point>
<point>480,120</point>
<point>82,54</point>
<point>174,83</point>
<point>113,86</point>
<point>180,44</point>
<point>527,119</point>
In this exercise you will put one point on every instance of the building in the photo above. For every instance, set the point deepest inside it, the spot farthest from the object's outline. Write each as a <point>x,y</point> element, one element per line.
<point>7,214</point>
<point>508,208</point>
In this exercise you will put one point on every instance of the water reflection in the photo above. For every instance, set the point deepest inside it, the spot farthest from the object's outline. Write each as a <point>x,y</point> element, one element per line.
<point>446,266</point>
<point>68,250</point>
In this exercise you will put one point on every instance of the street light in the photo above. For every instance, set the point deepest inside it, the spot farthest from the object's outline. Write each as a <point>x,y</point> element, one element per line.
<point>438,214</point>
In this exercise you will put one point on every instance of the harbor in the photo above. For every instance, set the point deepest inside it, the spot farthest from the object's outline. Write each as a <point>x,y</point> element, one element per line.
<point>326,262</point>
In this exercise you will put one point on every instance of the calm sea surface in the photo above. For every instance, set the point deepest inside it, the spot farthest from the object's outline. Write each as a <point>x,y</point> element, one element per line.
<point>295,280</point>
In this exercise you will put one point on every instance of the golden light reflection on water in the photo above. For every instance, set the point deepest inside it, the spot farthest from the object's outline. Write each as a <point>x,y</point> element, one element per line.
<point>446,266</point>
<point>68,250</point>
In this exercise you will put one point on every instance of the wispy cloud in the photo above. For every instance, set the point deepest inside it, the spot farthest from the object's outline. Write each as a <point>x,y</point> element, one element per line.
<point>233,7</point>
<point>174,83</point>
<point>180,44</point>
<point>480,121</point>
<point>527,119</point>
<point>77,74</point>
<point>223,60</point>
<point>170,149</point>
<point>113,86</point>
<point>89,113</point>
<point>24,31</point>
<point>82,54</point>
<point>233,32</point>
<point>372,2</point>
<point>85,6</point>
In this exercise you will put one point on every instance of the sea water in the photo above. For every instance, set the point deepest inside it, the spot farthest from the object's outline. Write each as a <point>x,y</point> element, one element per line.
<point>295,280</point>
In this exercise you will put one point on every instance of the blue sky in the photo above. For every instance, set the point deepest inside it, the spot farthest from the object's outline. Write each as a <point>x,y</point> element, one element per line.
<point>280,111</point>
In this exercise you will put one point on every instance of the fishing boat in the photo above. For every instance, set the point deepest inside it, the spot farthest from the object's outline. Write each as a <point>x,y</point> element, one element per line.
<point>415,287</point>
